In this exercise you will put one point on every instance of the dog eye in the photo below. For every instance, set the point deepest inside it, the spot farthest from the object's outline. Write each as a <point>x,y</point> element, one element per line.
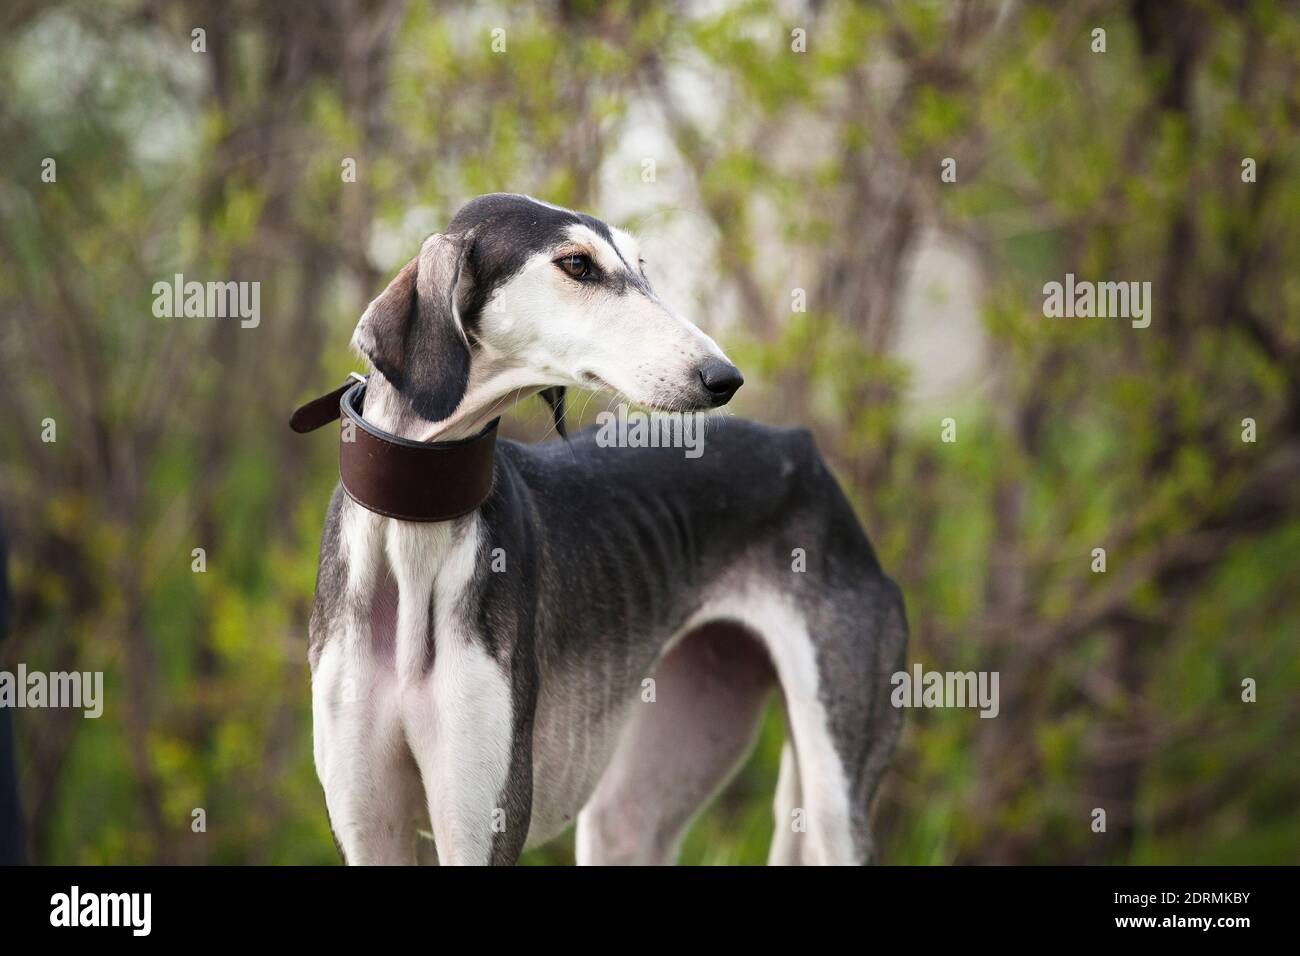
<point>577,265</point>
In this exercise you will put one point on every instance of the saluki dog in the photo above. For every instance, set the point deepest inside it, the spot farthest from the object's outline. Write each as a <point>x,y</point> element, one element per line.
<point>599,638</point>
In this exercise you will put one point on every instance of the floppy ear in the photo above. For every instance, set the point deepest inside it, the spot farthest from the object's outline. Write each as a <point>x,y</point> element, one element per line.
<point>412,332</point>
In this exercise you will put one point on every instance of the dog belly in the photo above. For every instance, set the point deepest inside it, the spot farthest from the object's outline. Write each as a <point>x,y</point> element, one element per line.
<point>574,734</point>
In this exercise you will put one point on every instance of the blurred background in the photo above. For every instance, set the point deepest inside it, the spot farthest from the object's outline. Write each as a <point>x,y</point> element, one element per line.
<point>783,165</point>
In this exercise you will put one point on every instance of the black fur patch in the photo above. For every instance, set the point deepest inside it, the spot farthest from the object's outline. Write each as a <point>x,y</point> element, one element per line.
<point>509,230</point>
<point>554,397</point>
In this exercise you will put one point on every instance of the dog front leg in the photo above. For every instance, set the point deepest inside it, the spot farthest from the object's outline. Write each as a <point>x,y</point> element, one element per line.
<point>372,791</point>
<point>460,725</point>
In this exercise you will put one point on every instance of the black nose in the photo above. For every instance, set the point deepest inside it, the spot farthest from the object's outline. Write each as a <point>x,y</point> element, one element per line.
<point>721,379</point>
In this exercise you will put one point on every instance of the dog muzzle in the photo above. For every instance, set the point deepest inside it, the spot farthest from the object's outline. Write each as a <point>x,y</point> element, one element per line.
<point>397,477</point>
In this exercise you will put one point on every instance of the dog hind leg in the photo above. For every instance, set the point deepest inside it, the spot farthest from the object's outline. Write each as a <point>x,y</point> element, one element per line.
<point>679,750</point>
<point>821,648</point>
<point>785,850</point>
<point>844,726</point>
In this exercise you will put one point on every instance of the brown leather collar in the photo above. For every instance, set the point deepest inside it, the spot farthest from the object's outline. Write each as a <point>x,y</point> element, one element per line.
<point>397,477</point>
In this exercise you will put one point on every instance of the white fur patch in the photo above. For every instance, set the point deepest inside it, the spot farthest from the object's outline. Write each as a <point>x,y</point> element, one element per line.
<point>825,787</point>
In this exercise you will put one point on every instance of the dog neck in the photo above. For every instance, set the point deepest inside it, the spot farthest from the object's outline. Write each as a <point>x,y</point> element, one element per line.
<point>494,387</point>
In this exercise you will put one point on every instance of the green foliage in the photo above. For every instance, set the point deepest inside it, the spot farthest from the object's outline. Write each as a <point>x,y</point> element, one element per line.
<point>1077,435</point>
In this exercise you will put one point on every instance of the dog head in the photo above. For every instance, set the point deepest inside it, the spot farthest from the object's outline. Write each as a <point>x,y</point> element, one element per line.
<point>519,295</point>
